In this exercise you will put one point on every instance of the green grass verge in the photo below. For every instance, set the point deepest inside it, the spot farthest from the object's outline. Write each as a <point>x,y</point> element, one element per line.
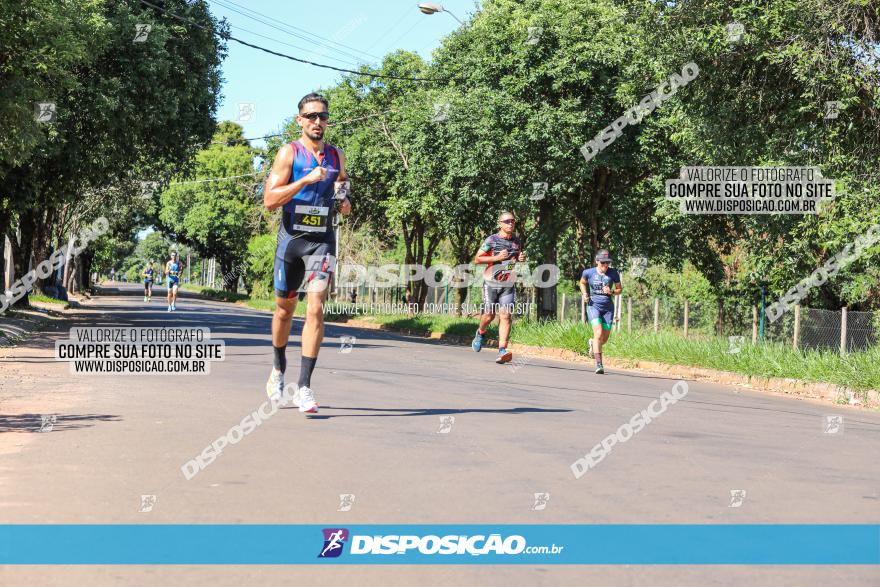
<point>261,304</point>
<point>857,370</point>
<point>268,304</point>
<point>214,294</point>
<point>45,300</point>
<point>451,325</point>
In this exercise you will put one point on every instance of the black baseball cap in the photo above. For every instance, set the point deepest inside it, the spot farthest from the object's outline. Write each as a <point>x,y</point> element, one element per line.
<point>602,255</point>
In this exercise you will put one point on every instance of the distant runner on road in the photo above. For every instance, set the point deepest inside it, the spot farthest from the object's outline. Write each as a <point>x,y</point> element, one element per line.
<point>499,251</point>
<point>301,182</point>
<point>173,269</point>
<point>598,284</point>
<point>148,282</point>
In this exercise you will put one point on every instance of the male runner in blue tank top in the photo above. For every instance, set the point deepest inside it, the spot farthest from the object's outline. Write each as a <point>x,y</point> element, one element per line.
<point>301,183</point>
<point>173,269</point>
<point>598,284</point>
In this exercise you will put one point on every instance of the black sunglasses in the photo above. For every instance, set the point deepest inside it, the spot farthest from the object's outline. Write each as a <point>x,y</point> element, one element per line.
<point>313,116</point>
<point>508,221</point>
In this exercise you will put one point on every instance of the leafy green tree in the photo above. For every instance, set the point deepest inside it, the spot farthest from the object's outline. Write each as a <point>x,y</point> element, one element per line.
<point>154,247</point>
<point>773,84</point>
<point>260,265</point>
<point>217,218</point>
<point>534,104</point>
<point>125,108</point>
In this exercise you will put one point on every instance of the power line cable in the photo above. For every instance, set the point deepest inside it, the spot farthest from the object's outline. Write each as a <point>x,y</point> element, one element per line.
<point>291,57</point>
<point>405,33</point>
<point>357,62</point>
<point>352,63</point>
<point>288,27</point>
<point>406,12</point>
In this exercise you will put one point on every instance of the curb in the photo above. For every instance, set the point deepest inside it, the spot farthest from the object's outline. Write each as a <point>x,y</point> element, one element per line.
<point>24,322</point>
<point>18,326</point>
<point>826,392</point>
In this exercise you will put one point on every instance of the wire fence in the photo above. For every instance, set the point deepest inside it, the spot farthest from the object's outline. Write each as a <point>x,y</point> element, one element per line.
<point>806,328</point>
<point>800,327</point>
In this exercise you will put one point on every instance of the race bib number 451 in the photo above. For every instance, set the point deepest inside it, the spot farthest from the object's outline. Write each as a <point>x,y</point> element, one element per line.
<point>310,218</point>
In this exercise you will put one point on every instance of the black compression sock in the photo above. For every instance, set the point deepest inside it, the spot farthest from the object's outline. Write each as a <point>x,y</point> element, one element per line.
<point>280,360</point>
<point>307,365</point>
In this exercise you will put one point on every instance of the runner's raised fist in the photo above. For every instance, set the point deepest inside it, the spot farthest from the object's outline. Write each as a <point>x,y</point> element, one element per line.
<point>317,174</point>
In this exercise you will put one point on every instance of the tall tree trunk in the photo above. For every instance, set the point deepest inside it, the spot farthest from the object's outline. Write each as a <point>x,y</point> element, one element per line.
<point>4,234</point>
<point>230,274</point>
<point>41,246</point>
<point>84,275</point>
<point>71,270</point>
<point>21,255</point>
<point>463,246</point>
<point>548,234</point>
<point>599,202</point>
<point>68,259</point>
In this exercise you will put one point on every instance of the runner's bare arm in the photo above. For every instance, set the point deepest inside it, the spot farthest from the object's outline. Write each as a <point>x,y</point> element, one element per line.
<point>487,258</point>
<point>277,191</point>
<point>584,293</point>
<point>345,205</point>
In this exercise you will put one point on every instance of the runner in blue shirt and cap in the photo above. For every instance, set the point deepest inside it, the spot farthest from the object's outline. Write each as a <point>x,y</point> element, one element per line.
<point>598,286</point>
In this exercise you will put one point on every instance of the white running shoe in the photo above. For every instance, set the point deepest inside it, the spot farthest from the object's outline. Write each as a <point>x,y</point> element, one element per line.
<point>275,385</point>
<point>169,307</point>
<point>173,308</point>
<point>304,399</point>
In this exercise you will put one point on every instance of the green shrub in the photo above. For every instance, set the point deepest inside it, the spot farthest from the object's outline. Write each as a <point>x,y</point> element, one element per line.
<point>259,265</point>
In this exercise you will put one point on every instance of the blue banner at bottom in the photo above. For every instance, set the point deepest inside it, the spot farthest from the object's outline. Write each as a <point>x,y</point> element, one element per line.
<point>251,544</point>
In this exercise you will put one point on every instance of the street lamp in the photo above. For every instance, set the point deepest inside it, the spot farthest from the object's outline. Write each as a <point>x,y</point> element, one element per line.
<point>432,8</point>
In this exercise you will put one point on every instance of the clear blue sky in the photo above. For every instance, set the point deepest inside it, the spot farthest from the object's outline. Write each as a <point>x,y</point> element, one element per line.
<point>367,29</point>
<point>353,32</point>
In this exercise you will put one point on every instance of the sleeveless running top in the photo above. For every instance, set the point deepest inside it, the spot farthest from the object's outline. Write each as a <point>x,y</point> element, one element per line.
<point>308,214</point>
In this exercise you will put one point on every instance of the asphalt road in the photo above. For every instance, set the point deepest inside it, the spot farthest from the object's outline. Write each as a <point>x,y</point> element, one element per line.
<point>515,433</point>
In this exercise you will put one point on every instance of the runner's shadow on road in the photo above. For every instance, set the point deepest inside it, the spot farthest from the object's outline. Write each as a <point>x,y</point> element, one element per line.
<point>44,422</point>
<point>401,412</point>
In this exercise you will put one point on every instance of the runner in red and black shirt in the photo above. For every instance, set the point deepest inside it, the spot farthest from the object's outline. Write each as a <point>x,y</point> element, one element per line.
<point>499,251</point>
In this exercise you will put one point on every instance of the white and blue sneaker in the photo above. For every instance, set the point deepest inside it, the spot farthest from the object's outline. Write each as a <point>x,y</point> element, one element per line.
<point>304,399</point>
<point>477,344</point>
